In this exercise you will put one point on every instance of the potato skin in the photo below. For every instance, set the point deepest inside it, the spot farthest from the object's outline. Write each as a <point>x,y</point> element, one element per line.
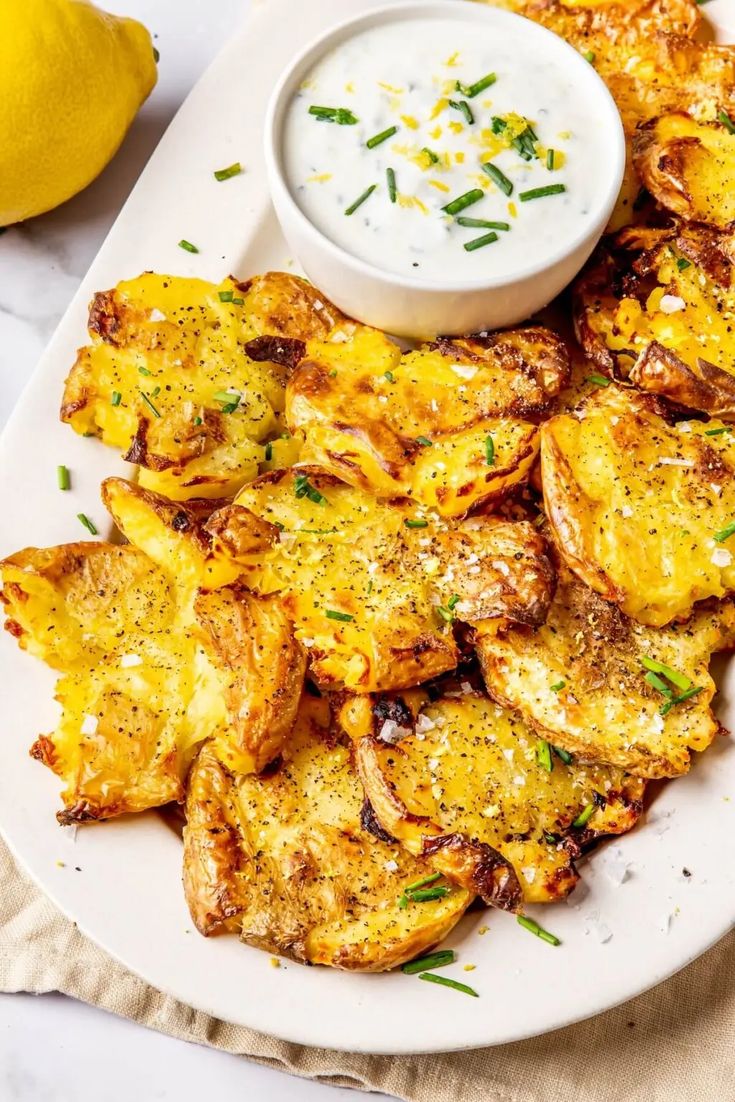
<point>255,851</point>
<point>402,432</point>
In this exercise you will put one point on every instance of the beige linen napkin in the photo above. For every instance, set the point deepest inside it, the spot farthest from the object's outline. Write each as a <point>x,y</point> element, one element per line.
<point>674,1044</point>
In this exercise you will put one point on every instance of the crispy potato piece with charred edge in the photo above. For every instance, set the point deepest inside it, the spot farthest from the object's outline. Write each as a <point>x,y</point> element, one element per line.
<point>639,508</point>
<point>373,587</point>
<point>188,377</point>
<point>451,425</point>
<point>108,619</point>
<point>688,166</point>
<point>580,680</point>
<point>465,783</point>
<point>249,639</point>
<point>284,860</point>
<point>654,308</point>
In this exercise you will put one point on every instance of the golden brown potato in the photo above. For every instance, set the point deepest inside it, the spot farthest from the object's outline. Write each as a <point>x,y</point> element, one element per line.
<point>189,384</point>
<point>107,618</point>
<point>656,309</point>
<point>252,639</point>
<point>640,509</point>
<point>449,425</point>
<point>471,788</point>
<point>372,586</point>
<point>587,680</point>
<point>284,860</point>
<point>688,167</point>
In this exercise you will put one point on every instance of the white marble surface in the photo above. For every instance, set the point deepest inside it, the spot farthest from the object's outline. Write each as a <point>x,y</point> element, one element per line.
<point>52,1048</point>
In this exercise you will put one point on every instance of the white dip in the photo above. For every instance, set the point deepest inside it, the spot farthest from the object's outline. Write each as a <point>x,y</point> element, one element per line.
<point>404,74</point>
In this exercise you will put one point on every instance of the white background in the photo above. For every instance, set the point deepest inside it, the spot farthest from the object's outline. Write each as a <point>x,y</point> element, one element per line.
<point>51,1048</point>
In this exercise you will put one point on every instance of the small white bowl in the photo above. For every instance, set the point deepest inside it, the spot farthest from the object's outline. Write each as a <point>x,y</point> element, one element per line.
<point>412,307</point>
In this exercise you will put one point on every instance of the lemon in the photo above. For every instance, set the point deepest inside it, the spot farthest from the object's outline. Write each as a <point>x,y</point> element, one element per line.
<point>71,81</point>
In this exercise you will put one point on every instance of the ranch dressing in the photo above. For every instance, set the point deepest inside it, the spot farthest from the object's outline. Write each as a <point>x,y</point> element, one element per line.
<point>404,75</point>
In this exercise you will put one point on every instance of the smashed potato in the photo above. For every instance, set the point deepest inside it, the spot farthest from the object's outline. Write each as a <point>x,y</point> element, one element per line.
<point>449,425</point>
<point>373,587</point>
<point>471,788</point>
<point>590,680</point>
<point>188,377</point>
<point>657,309</point>
<point>284,860</point>
<point>688,167</point>
<point>640,509</point>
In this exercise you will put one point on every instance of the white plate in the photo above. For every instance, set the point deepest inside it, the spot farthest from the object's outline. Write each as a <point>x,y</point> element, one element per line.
<point>127,894</point>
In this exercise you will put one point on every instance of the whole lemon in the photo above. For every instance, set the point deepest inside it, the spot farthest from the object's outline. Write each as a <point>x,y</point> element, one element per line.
<point>71,81</point>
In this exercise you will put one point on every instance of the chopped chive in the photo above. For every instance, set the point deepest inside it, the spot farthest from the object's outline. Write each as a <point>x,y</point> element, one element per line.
<point>598,380</point>
<point>725,533</point>
<point>156,55</point>
<point>227,173</point>
<point>666,708</point>
<point>62,477</point>
<point>539,931</point>
<point>658,684</point>
<point>187,246</point>
<point>541,192</point>
<point>197,420</point>
<point>525,143</point>
<point>426,895</point>
<point>543,755</point>
<point>563,755</point>
<point>433,157</point>
<point>144,371</point>
<point>480,242</point>
<point>446,614</point>
<point>472,90</point>
<point>557,687</point>
<point>361,199</point>
<point>433,960</point>
<point>584,816</point>
<point>88,524</point>
<point>464,108</point>
<point>716,432</point>
<point>682,263</point>
<point>482,224</point>
<point>392,189</point>
<point>383,136</point>
<point>341,115</point>
<point>149,403</point>
<point>389,376</point>
<point>489,451</point>
<point>226,296</point>
<point>550,159</point>
<point>238,302</point>
<point>333,614</point>
<point>497,177</point>
<point>369,585</point>
<point>463,201</point>
<point>116,398</point>
<point>303,488</point>
<point>424,442</point>
<point>498,125</point>
<point>268,452</point>
<point>589,55</point>
<point>676,678</point>
<point>415,523</point>
<point>423,882</point>
<point>155,392</point>
<point>225,396</point>
<point>726,121</point>
<point>453,601</point>
<point>431,977</point>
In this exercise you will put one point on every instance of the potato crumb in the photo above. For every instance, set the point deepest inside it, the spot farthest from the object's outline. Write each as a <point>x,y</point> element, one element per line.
<point>275,962</point>
<point>61,864</point>
<point>483,930</point>
<point>469,967</point>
